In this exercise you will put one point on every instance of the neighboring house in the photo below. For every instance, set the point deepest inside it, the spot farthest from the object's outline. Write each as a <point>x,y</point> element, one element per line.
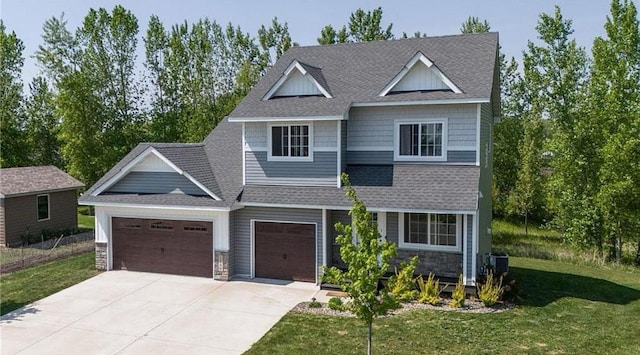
<point>34,200</point>
<point>409,120</point>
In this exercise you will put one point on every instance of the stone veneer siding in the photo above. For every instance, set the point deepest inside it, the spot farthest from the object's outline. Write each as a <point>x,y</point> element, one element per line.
<point>101,256</point>
<point>221,266</point>
<point>440,263</point>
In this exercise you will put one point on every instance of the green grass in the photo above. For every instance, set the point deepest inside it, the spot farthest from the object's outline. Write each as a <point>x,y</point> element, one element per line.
<point>26,286</point>
<point>563,308</point>
<point>85,220</point>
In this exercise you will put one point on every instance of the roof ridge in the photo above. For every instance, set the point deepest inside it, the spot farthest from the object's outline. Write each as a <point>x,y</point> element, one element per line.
<point>398,40</point>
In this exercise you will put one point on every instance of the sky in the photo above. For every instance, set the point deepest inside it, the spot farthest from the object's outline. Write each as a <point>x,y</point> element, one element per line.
<point>515,20</point>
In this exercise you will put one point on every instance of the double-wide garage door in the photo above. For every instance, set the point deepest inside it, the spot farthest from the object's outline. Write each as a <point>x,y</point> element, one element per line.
<point>163,246</point>
<point>285,251</point>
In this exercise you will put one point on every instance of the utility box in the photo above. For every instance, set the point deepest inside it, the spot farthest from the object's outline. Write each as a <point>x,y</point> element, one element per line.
<point>500,262</point>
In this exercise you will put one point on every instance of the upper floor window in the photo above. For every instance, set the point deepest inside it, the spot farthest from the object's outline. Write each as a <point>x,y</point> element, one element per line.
<point>421,140</point>
<point>43,207</point>
<point>290,142</point>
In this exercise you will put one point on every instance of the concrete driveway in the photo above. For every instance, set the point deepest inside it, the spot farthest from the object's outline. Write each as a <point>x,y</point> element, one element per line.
<point>121,312</point>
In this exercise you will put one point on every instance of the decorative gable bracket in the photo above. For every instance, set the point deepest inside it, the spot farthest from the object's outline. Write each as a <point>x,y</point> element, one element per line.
<point>147,153</point>
<point>309,75</point>
<point>420,59</point>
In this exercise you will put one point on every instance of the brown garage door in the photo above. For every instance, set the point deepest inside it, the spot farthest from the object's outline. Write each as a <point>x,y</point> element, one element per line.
<point>163,246</point>
<point>285,251</point>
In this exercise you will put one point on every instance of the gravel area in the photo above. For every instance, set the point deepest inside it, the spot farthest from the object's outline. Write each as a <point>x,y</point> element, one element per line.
<point>470,306</point>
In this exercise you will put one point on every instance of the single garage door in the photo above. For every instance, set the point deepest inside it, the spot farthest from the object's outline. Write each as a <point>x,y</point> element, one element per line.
<point>163,246</point>
<point>285,251</point>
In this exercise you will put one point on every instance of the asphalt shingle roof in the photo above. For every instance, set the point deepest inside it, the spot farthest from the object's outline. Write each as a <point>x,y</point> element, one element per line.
<point>358,72</point>
<point>403,186</point>
<point>33,179</point>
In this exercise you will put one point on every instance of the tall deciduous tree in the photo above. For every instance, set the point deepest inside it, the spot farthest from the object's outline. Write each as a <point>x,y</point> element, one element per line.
<point>614,105</point>
<point>474,25</point>
<point>42,126</point>
<point>13,146</point>
<point>274,41</point>
<point>362,27</point>
<point>367,260</point>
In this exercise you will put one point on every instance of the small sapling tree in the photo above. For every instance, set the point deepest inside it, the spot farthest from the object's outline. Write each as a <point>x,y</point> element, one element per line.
<point>367,259</point>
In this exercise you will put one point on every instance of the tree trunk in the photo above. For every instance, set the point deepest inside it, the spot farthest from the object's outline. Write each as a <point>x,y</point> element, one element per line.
<point>369,339</point>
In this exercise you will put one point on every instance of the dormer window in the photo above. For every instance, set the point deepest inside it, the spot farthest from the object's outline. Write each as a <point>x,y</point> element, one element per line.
<point>421,140</point>
<point>290,142</point>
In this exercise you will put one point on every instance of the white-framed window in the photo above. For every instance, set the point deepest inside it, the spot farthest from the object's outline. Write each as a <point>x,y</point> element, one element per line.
<point>290,142</point>
<point>43,207</point>
<point>421,140</point>
<point>436,231</point>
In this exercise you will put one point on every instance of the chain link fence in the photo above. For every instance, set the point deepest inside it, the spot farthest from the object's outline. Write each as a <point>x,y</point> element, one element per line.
<point>12,259</point>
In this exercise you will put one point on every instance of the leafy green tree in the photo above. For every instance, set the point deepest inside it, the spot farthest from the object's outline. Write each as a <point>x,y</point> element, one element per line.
<point>274,41</point>
<point>362,27</point>
<point>367,260</point>
<point>527,194</point>
<point>13,145</point>
<point>42,126</point>
<point>555,75</point>
<point>474,25</point>
<point>614,107</point>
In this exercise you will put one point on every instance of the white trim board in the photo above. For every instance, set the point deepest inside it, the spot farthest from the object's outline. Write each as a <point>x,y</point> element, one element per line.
<point>295,65</point>
<point>420,58</point>
<point>286,118</point>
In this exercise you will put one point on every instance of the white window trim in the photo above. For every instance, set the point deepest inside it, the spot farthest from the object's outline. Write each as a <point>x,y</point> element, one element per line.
<point>270,156</point>
<point>396,139</point>
<point>48,208</point>
<point>404,245</point>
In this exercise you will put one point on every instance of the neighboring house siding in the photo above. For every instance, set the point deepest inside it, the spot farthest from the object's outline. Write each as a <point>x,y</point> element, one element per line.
<point>156,183</point>
<point>372,128</point>
<point>242,234</point>
<point>386,157</point>
<point>2,220</point>
<point>486,168</point>
<point>21,215</point>
<point>320,172</point>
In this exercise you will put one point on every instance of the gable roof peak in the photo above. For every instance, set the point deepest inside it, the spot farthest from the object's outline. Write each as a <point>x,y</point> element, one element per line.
<point>310,81</point>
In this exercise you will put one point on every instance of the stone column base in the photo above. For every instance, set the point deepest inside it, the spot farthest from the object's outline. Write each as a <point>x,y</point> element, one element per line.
<point>101,256</point>
<point>221,266</point>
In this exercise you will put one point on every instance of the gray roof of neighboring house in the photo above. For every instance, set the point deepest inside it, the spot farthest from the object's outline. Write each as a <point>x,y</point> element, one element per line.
<point>34,179</point>
<point>211,164</point>
<point>358,72</point>
<point>401,187</point>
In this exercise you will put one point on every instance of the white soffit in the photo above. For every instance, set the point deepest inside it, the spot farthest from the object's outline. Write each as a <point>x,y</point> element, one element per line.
<point>420,74</point>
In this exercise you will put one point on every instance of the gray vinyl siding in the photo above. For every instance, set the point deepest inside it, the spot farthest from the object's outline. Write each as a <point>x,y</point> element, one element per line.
<point>242,233</point>
<point>320,172</point>
<point>468,248</point>
<point>386,157</point>
<point>146,182</point>
<point>486,168</point>
<point>343,144</point>
<point>392,227</point>
<point>232,241</point>
<point>374,126</point>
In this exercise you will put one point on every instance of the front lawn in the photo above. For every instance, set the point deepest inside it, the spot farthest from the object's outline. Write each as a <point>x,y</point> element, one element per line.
<point>85,220</point>
<point>564,308</point>
<point>26,286</point>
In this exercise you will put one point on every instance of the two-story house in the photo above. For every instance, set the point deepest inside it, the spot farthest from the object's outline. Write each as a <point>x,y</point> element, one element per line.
<point>409,120</point>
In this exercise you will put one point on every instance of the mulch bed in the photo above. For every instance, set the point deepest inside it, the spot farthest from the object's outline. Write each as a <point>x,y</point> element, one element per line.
<point>470,306</point>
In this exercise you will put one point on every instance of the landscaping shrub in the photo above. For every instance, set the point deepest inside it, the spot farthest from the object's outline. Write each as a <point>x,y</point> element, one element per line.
<point>336,304</point>
<point>429,290</point>
<point>314,303</point>
<point>458,295</point>
<point>490,291</point>
<point>402,284</point>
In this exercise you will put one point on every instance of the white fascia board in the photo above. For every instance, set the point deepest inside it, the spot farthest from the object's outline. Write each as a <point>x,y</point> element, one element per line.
<point>155,207</point>
<point>421,102</point>
<point>346,208</point>
<point>151,150</point>
<point>294,65</point>
<point>419,57</point>
<point>284,119</point>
